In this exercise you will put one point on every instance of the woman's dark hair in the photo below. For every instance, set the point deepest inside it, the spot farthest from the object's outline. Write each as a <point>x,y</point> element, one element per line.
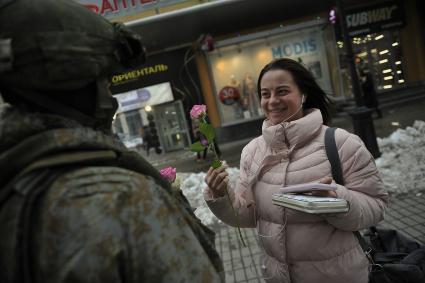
<point>315,96</point>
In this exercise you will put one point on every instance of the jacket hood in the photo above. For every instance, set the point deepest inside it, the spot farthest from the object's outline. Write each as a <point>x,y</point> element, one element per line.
<point>283,138</point>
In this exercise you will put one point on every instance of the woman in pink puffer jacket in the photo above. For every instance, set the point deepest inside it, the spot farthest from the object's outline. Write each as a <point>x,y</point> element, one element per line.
<point>300,247</point>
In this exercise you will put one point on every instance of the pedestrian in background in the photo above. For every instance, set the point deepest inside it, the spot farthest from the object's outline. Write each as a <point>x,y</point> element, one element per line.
<point>147,139</point>
<point>75,204</point>
<point>369,92</point>
<point>300,247</point>
<point>368,86</point>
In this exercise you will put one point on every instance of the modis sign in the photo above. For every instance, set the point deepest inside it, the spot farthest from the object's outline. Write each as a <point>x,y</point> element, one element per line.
<point>296,48</point>
<point>136,74</point>
<point>375,18</point>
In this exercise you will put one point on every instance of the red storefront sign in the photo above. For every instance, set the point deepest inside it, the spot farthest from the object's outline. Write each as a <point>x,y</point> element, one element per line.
<point>229,95</point>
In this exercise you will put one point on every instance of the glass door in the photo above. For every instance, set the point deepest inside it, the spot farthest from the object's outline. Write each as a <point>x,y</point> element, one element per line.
<point>172,126</point>
<point>382,55</point>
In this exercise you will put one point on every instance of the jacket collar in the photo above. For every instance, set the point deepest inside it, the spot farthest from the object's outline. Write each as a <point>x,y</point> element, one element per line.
<point>288,135</point>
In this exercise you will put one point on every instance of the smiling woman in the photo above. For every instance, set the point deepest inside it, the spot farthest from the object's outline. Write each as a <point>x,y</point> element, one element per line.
<point>300,247</point>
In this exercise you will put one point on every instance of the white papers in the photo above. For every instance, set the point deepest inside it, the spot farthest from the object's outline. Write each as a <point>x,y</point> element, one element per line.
<point>308,187</point>
<point>311,204</point>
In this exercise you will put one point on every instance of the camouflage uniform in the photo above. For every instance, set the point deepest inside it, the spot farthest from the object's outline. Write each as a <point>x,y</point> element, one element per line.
<point>98,223</point>
<point>75,205</point>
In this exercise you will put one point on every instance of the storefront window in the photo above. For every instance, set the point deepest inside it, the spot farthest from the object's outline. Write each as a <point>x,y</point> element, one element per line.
<point>235,69</point>
<point>381,54</point>
<point>134,122</point>
<point>131,115</point>
<point>168,116</point>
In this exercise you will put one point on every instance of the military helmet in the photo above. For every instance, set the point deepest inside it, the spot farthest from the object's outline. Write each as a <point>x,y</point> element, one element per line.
<point>60,44</point>
<point>48,48</point>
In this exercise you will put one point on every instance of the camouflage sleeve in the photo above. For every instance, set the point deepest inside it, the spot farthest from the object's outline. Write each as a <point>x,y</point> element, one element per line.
<point>113,225</point>
<point>171,250</point>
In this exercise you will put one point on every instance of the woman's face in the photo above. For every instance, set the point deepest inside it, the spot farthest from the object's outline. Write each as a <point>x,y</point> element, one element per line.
<point>281,99</point>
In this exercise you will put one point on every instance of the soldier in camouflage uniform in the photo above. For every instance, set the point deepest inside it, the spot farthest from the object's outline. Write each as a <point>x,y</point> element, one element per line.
<point>75,205</point>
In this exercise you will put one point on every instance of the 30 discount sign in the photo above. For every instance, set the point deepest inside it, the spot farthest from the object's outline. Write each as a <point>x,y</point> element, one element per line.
<point>229,95</point>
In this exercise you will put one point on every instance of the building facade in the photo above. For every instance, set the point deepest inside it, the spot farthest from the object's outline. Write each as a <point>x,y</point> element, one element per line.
<point>165,87</point>
<point>229,41</point>
<point>387,39</point>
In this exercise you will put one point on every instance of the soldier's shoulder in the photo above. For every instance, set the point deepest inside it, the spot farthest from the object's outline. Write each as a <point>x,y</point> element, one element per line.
<point>89,181</point>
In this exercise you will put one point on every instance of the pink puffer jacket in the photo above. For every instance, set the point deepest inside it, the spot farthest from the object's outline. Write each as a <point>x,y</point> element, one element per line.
<point>301,247</point>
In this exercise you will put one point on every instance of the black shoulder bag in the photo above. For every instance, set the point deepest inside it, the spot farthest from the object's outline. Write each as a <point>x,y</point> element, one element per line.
<point>393,257</point>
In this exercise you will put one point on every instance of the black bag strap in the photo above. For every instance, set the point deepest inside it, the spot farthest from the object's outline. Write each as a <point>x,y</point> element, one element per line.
<point>333,157</point>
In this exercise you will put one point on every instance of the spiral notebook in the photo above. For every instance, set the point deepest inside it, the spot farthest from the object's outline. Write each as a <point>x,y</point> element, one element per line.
<point>311,204</point>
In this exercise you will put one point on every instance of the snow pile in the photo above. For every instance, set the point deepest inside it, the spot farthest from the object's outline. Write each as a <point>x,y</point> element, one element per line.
<point>193,186</point>
<point>402,163</point>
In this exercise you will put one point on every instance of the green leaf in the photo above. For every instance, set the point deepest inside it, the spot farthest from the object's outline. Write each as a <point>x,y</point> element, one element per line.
<point>208,131</point>
<point>216,163</point>
<point>196,147</point>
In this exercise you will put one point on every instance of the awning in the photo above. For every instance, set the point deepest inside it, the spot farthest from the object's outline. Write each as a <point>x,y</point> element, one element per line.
<point>183,27</point>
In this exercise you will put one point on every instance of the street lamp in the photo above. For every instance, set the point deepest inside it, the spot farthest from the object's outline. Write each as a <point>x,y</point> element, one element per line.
<point>361,115</point>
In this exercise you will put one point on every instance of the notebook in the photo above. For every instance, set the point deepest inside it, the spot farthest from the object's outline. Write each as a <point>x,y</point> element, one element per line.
<point>311,204</point>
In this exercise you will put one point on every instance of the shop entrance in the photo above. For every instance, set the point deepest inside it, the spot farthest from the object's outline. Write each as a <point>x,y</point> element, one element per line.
<point>380,53</point>
<point>171,125</point>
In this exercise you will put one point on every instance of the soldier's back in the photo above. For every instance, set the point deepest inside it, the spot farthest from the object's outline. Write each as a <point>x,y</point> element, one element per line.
<point>107,224</point>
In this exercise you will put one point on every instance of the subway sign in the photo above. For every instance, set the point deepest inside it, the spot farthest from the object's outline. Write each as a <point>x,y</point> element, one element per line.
<point>375,18</point>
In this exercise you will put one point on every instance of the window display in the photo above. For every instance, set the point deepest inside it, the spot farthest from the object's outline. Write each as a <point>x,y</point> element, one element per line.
<point>235,69</point>
<point>381,55</point>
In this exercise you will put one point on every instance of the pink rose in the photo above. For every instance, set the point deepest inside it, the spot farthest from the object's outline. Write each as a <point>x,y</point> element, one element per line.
<point>168,173</point>
<point>197,111</point>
